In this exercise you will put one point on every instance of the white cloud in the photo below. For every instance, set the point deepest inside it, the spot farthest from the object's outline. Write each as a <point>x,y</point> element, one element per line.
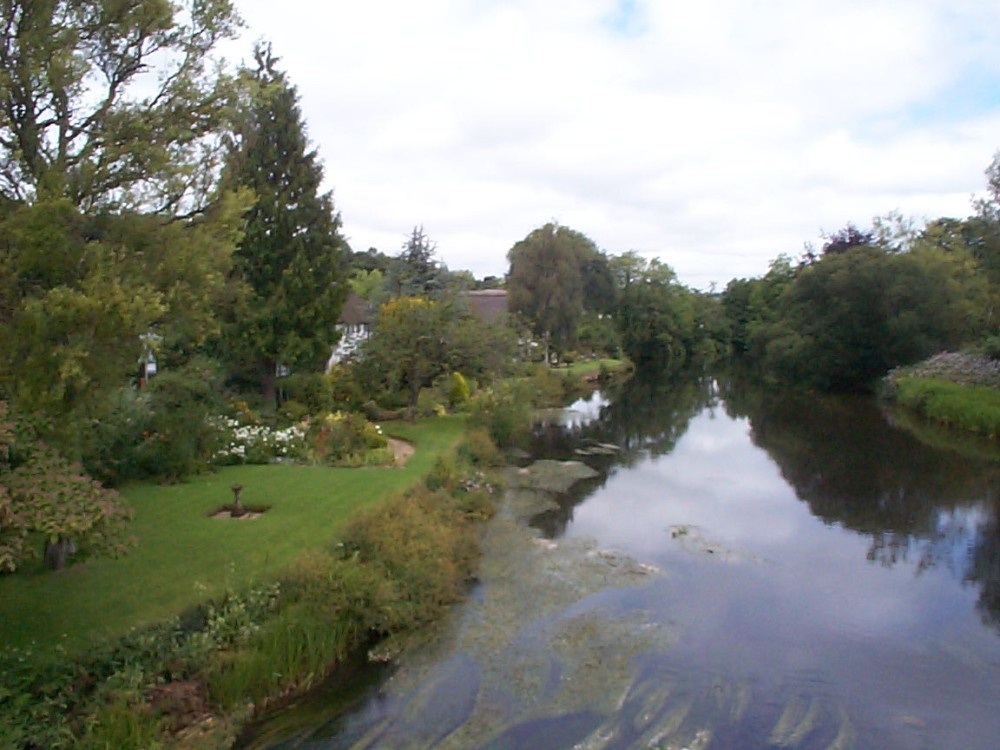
<point>715,134</point>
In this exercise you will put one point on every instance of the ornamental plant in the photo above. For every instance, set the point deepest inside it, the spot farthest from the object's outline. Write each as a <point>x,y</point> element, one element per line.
<point>260,443</point>
<point>47,500</point>
<point>339,436</point>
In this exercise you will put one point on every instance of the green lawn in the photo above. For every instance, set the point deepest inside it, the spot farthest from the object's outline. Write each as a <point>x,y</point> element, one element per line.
<point>593,366</point>
<point>184,556</point>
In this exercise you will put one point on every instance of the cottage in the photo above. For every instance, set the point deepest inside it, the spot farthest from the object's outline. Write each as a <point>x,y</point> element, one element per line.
<point>354,325</point>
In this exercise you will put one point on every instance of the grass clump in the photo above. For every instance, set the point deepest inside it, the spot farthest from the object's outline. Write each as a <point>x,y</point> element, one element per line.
<point>973,408</point>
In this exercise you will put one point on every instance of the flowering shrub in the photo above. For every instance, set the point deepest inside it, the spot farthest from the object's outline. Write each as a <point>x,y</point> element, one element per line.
<point>258,443</point>
<point>339,436</point>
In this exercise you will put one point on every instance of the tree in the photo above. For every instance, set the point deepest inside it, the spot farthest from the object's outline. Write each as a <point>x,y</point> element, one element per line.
<point>415,272</point>
<point>546,285</point>
<point>600,295</point>
<point>849,318</point>
<point>292,256</point>
<point>844,239</point>
<point>409,346</point>
<point>83,117</point>
<point>752,305</point>
<point>417,339</point>
<point>43,495</point>
<point>656,317</point>
<point>78,293</point>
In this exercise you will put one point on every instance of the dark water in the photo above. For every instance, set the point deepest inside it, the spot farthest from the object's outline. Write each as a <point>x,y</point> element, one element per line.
<point>821,579</point>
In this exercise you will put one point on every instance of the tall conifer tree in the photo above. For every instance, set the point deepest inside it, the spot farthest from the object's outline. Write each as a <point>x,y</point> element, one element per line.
<point>292,257</point>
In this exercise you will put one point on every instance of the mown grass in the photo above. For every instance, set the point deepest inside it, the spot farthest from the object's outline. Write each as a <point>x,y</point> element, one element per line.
<point>967,407</point>
<point>594,366</point>
<point>184,557</point>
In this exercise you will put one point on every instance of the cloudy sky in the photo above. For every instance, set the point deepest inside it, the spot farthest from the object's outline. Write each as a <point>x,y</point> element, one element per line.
<point>713,134</point>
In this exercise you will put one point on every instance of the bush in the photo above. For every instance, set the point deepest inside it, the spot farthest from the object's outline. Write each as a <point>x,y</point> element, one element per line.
<point>479,450</point>
<point>109,448</point>
<point>340,435</point>
<point>423,547</point>
<point>504,413</point>
<point>444,475</point>
<point>430,403</point>
<point>313,391</point>
<point>458,390</point>
<point>180,438</point>
<point>256,443</point>
<point>991,348</point>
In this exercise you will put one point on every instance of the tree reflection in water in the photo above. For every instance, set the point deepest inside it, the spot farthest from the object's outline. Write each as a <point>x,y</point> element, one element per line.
<point>642,418</point>
<point>848,460</point>
<point>920,505</point>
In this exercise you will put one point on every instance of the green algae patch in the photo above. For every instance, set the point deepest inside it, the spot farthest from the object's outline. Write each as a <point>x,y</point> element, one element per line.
<point>535,646</point>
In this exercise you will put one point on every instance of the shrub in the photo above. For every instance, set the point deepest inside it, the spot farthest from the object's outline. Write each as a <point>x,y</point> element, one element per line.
<point>180,438</point>
<point>990,347</point>
<point>293,412</point>
<point>444,475</point>
<point>258,443</point>
<point>109,448</point>
<point>503,413</point>
<point>340,435</point>
<point>313,391</point>
<point>458,390</point>
<point>423,547</point>
<point>430,403</point>
<point>479,450</point>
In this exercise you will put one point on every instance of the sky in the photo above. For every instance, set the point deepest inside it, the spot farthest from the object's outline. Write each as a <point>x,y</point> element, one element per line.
<point>711,134</point>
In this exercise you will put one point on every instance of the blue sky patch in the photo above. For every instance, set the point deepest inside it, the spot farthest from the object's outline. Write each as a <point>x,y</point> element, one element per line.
<point>627,19</point>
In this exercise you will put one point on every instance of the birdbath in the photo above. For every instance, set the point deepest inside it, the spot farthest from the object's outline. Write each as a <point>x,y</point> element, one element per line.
<point>238,509</point>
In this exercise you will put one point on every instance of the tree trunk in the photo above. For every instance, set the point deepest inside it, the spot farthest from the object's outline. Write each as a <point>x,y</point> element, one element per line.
<point>411,411</point>
<point>57,553</point>
<point>268,383</point>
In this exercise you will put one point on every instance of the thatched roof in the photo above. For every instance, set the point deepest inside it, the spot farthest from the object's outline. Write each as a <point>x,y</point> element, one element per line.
<point>356,311</point>
<point>488,304</point>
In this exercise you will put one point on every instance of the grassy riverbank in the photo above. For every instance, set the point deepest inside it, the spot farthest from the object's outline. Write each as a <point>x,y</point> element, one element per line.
<point>209,622</point>
<point>226,616</point>
<point>956,390</point>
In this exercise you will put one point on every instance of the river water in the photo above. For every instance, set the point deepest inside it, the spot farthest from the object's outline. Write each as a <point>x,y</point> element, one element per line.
<point>737,570</point>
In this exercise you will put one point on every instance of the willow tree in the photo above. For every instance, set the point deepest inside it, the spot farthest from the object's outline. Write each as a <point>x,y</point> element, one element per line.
<point>545,283</point>
<point>292,257</point>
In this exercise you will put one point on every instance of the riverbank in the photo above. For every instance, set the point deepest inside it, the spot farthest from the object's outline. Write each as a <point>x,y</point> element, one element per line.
<point>191,680</point>
<point>206,660</point>
<point>957,390</point>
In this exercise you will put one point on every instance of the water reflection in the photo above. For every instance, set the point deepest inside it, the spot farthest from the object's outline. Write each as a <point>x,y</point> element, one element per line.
<point>919,504</point>
<point>631,423</point>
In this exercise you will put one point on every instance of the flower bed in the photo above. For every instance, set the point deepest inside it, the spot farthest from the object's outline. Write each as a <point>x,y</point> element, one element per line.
<point>259,443</point>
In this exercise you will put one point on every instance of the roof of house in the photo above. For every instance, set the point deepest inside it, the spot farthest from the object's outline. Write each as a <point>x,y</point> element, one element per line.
<point>488,304</point>
<point>356,311</point>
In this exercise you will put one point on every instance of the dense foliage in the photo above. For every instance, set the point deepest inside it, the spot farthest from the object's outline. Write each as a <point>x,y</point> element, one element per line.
<point>48,503</point>
<point>291,256</point>
<point>546,285</point>
<point>417,340</point>
<point>84,117</point>
<point>843,320</point>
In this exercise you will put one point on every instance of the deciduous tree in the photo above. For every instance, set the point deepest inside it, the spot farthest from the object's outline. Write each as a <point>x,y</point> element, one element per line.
<point>113,103</point>
<point>546,285</point>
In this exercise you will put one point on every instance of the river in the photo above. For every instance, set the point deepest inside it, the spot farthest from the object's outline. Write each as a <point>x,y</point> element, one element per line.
<point>738,569</point>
